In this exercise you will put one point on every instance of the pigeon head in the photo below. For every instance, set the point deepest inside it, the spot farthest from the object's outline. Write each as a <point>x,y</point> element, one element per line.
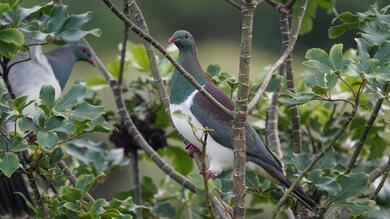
<point>82,53</point>
<point>182,39</point>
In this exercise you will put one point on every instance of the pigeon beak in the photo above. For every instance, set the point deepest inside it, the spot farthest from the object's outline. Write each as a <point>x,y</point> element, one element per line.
<point>171,40</point>
<point>92,61</point>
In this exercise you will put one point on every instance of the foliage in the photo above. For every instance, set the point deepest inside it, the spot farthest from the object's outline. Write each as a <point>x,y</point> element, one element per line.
<point>62,131</point>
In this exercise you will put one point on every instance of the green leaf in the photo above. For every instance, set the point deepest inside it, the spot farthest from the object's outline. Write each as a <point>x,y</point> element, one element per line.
<point>182,162</point>
<point>71,30</point>
<point>70,99</point>
<point>329,185</point>
<point>318,55</point>
<point>336,56</point>
<point>16,144</point>
<point>11,40</point>
<point>347,16</point>
<point>9,163</point>
<point>27,124</point>
<point>88,111</point>
<point>149,189</point>
<point>58,124</point>
<point>362,47</point>
<point>316,78</point>
<point>56,156</point>
<point>338,30</point>
<point>85,182</point>
<point>251,180</point>
<point>20,103</point>
<point>97,206</point>
<point>322,91</point>
<point>358,207</point>
<point>4,7</point>
<point>47,140</point>
<point>71,194</point>
<point>57,17</point>
<point>352,184</point>
<point>139,58</point>
<point>47,96</point>
<point>213,70</point>
<point>297,98</point>
<point>165,210</point>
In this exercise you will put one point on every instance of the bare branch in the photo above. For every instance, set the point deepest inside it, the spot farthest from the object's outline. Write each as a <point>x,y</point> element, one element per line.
<point>383,180</point>
<point>240,109</point>
<point>281,59</point>
<point>367,127</point>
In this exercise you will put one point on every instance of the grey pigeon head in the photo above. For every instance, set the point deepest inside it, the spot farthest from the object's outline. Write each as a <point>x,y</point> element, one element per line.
<point>182,39</point>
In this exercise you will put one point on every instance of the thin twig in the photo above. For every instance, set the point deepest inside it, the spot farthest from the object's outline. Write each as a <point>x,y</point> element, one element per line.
<point>240,109</point>
<point>136,182</point>
<point>318,156</point>
<point>160,48</point>
<point>124,44</point>
<point>204,168</point>
<point>286,37</point>
<point>140,20</point>
<point>281,59</point>
<point>383,180</point>
<point>367,127</point>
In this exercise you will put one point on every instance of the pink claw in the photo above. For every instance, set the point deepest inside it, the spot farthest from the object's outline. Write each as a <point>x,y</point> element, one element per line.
<point>209,175</point>
<point>191,149</point>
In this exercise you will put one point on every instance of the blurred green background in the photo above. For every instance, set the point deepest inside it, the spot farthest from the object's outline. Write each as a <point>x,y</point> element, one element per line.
<point>216,27</point>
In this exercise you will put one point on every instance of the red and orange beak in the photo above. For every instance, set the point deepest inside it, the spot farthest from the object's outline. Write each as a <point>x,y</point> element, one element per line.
<point>171,40</point>
<point>92,61</point>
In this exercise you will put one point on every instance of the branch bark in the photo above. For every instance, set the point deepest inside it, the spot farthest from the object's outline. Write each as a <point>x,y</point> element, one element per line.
<point>281,59</point>
<point>367,127</point>
<point>382,182</point>
<point>240,109</point>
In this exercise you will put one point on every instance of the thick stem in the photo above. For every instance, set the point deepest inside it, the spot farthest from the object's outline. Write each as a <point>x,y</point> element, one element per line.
<point>281,59</point>
<point>318,156</point>
<point>382,182</point>
<point>160,48</point>
<point>204,169</point>
<point>272,132</point>
<point>367,127</point>
<point>136,182</point>
<point>296,119</point>
<point>240,109</point>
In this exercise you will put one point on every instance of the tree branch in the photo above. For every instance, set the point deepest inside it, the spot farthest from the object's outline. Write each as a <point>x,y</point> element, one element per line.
<point>286,37</point>
<point>383,180</point>
<point>318,156</point>
<point>240,109</point>
<point>159,47</point>
<point>281,59</point>
<point>367,127</point>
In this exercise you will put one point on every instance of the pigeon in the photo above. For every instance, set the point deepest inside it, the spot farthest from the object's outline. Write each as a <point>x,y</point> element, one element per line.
<point>200,113</point>
<point>27,78</point>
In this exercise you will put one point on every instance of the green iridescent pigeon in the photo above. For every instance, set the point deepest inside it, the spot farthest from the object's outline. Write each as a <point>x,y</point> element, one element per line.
<point>27,78</point>
<point>185,98</point>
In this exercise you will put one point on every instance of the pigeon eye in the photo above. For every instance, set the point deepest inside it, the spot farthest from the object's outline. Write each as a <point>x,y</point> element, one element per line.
<point>84,50</point>
<point>186,36</point>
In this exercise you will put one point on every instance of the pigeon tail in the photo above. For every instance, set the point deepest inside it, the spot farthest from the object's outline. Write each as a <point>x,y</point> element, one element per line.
<point>13,204</point>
